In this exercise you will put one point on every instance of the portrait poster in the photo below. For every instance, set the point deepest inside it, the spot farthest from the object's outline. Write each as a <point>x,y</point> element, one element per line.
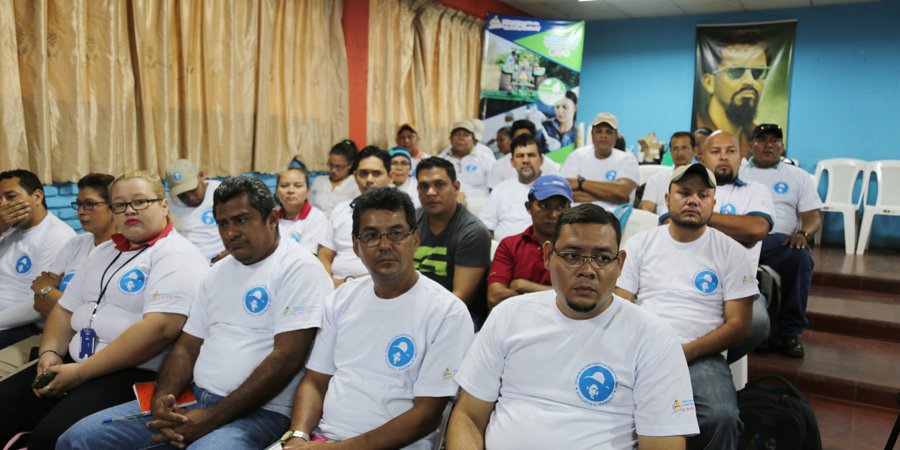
<point>742,77</point>
<point>532,70</point>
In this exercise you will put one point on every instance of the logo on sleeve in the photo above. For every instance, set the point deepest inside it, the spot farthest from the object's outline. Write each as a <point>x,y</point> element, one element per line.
<point>610,175</point>
<point>64,283</point>
<point>781,188</point>
<point>706,281</point>
<point>256,300</point>
<point>207,217</point>
<point>682,406</point>
<point>132,281</point>
<point>728,208</point>
<point>596,384</point>
<point>401,352</point>
<point>23,265</point>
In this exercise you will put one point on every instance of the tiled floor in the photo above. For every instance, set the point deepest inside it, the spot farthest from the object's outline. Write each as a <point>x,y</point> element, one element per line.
<point>848,426</point>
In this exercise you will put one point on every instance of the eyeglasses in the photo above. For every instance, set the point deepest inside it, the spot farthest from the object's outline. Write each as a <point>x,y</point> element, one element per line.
<point>88,205</point>
<point>737,72</point>
<point>372,239</point>
<point>575,259</point>
<point>137,205</point>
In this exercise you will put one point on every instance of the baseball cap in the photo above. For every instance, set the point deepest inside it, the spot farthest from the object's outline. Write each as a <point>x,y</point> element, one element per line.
<point>407,127</point>
<point>547,186</point>
<point>695,168</point>
<point>400,151</point>
<point>463,125</point>
<point>768,128</point>
<point>182,177</point>
<point>607,118</point>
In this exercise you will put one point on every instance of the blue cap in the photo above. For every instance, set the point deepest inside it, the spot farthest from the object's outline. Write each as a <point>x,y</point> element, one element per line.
<point>547,186</point>
<point>400,151</point>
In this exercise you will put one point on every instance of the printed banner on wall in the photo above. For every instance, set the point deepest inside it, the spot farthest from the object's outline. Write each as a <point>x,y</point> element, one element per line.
<point>743,77</point>
<point>532,70</point>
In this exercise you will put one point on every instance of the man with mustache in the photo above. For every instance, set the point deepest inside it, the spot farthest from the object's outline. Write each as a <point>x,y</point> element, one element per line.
<point>191,201</point>
<point>702,283</point>
<point>504,215</point>
<point>576,366</point>
<point>381,371</point>
<point>734,78</point>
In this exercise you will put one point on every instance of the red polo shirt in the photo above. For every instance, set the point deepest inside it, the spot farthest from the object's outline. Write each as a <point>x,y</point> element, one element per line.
<point>519,257</point>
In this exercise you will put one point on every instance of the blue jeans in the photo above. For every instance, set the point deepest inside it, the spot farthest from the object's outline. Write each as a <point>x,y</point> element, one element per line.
<point>759,331</point>
<point>253,431</point>
<point>795,266</point>
<point>718,415</point>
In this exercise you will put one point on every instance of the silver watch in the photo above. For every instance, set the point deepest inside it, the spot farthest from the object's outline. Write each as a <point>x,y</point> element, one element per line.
<point>44,291</point>
<point>290,434</point>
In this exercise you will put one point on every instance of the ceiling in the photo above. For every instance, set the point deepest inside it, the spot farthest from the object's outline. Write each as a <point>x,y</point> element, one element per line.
<point>630,9</point>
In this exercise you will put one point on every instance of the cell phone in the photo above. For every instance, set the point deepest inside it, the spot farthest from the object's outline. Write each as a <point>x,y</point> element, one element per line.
<point>42,380</point>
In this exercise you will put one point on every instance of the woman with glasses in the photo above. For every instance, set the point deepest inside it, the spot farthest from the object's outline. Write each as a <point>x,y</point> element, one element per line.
<point>114,322</point>
<point>339,186</point>
<point>298,219</point>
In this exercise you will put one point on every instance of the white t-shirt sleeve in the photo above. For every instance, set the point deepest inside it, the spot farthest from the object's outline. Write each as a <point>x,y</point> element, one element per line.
<point>197,323</point>
<point>328,237</point>
<point>809,196</point>
<point>663,375</point>
<point>445,352</point>
<point>172,283</point>
<point>629,169</point>
<point>300,292</point>
<point>314,232</point>
<point>321,359</point>
<point>569,168</point>
<point>761,203</point>
<point>481,369</point>
<point>740,278</point>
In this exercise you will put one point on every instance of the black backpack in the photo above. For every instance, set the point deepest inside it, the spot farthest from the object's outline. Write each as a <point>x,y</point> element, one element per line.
<point>776,417</point>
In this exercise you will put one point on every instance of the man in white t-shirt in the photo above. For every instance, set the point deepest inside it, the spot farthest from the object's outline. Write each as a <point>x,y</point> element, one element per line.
<point>600,174</point>
<point>381,370</point>
<point>504,214</point>
<point>336,249</point>
<point>786,248</point>
<point>700,282</point>
<point>472,162</point>
<point>32,238</point>
<point>575,367</point>
<point>681,147</point>
<point>191,202</point>
<point>255,315</point>
<point>504,169</point>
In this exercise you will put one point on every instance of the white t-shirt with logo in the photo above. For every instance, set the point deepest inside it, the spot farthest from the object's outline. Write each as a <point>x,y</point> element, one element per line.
<point>72,256</point>
<point>577,384</point>
<point>656,188</point>
<point>687,284</point>
<point>503,170</point>
<point>156,279</point>
<point>325,198</point>
<point>24,254</point>
<point>198,224</point>
<point>382,353</point>
<point>240,308</point>
<point>308,232</point>
<point>618,165</point>
<point>472,170</point>
<point>339,238</point>
<point>793,192</point>
<point>505,213</point>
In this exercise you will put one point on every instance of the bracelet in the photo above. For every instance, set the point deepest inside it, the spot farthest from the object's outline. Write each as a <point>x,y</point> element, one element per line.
<point>50,351</point>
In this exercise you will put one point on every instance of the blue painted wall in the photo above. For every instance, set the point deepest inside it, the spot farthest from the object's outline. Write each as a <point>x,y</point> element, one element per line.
<point>845,93</point>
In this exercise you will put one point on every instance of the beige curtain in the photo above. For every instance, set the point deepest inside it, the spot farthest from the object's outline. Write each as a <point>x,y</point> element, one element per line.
<point>424,68</point>
<point>109,85</point>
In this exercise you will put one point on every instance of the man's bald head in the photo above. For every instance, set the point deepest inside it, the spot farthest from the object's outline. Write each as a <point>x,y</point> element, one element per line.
<point>722,156</point>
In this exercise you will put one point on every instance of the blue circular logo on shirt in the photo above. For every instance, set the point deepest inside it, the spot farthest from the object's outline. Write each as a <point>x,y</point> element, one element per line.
<point>610,175</point>
<point>401,352</point>
<point>132,281</point>
<point>596,384</point>
<point>176,176</point>
<point>295,237</point>
<point>207,217</point>
<point>23,265</point>
<point>706,281</point>
<point>728,208</point>
<point>781,188</point>
<point>65,281</point>
<point>471,168</point>
<point>256,300</point>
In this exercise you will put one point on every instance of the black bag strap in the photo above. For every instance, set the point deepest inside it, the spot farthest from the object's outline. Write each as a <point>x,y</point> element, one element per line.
<point>790,386</point>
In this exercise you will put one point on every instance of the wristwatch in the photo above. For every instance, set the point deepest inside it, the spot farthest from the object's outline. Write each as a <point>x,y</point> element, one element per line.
<point>805,234</point>
<point>290,434</point>
<point>44,291</point>
<point>580,182</point>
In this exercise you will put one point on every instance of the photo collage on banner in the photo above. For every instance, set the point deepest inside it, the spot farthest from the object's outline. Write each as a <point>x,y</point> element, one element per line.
<point>532,70</point>
<point>743,77</point>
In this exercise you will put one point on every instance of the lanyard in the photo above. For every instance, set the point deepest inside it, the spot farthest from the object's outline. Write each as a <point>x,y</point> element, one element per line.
<point>103,287</point>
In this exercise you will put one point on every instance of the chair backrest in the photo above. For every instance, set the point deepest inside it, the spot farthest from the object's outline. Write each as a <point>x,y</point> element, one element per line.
<point>842,174</point>
<point>494,245</point>
<point>887,172</point>
<point>638,221</point>
<point>648,170</point>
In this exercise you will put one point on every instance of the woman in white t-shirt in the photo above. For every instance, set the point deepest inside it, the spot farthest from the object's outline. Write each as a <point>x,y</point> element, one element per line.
<point>116,318</point>
<point>338,186</point>
<point>298,219</point>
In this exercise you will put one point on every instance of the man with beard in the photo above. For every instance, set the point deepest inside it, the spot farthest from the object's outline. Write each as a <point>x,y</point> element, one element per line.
<point>700,282</point>
<point>191,202</point>
<point>504,215</point>
<point>734,78</point>
<point>504,169</point>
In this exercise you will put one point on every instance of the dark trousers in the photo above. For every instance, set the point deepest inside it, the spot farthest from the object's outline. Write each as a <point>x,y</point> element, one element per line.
<point>795,267</point>
<point>13,335</point>
<point>48,418</point>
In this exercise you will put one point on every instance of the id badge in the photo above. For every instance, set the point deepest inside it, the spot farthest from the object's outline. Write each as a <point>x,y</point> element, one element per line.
<point>88,340</point>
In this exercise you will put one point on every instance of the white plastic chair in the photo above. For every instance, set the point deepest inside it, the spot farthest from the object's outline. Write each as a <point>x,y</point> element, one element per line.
<point>842,173</point>
<point>888,175</point>
<point>638,221</point>
<point>648,170</point>
<point>739,373</point>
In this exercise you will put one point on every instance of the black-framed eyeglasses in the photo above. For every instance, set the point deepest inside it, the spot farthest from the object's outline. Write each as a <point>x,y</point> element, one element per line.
<point>576,259</point>
<point>373,238</point>
<point>137,205</point>
<point>88,205</point>
<point>736,72</point>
